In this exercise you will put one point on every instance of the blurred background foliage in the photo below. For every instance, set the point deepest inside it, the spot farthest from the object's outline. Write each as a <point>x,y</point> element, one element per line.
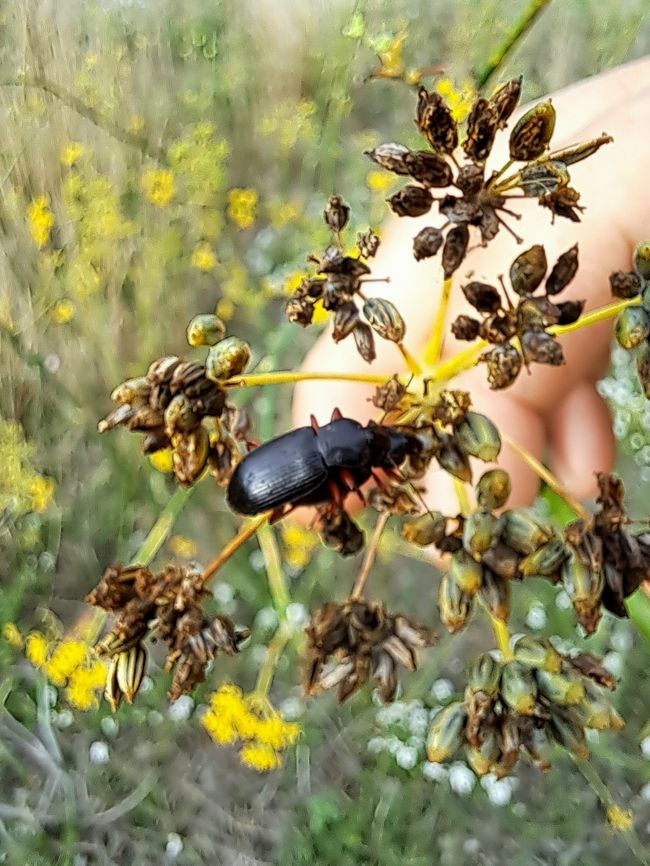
<point>162,159</point>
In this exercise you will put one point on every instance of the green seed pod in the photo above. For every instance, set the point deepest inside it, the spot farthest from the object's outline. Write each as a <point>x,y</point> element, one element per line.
<point>537,652</point>
<point>481,531</point>
<point>477,436</point>
<point>446,733</point>
<point>134,391</point>
<point>465,573</point>
<point>545,561</point>
<point>112,691</point>
<point>425,529</point>
<point>495,594</point>
<point>493,489</point>
<point>632,327</point>
<point>523,533</point>
<point>642,260</point>
<point>560,689</point>
<point>528,270</point>
<point>131,667</point>
<point>502,560</point>
<point>205,330</point>
<point>482,760</point>
<point>565,727</point>
<point>229,357</point>
<point>179,416</point>
<point>518,688</point>
<point>484,675</point>
<point>643,368</point>
<point>455,606</point>
<point>532,132</point>
<point>452,460</point>
<point>594,711</point>
<point>384,318</point>
<point>584,587</point>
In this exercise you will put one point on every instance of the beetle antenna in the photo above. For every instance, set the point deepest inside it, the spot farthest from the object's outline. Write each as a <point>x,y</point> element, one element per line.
<point>413,489</point>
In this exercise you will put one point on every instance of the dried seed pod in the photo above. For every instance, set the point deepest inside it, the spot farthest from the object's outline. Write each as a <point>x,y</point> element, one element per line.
<point>390,156</point>
<point>455,248</point>
<point>643,368</point>
<point>482,296</point>
<point>566,729</point>
<point>528,270</point>
<point>426,529</point>
<point>624,285</point>
<point>465,328</point>
<point>429,169</point>
<point>134,392</point>
<point>112,691</point>
<point>131,667</point>
<point>452,459</point>
<point>595,711</point>
<point>563,202</point>
<point>336,213</point>
<point>365,342</point>
<point>300,311</point>
<point>501,560</point>
<point>446,732</point>
<point>518,688</point>
<point>545,561</point>
<point>482,126</point>
<point>561,689</point>
<point>477,436</point>
<point>481,531</point>
<point>384,318</point>
<point>493,489</point>
<point>179,416</point>
<point>390,395</point>
<point>641,260</point>
<point>570,311</point>
<point>465,572</point>
<point>435,121</point>
<point>229,357</point>
<point>495,594</point>
<point>346,319</point>
<point>454,605</point>
<point>632,327</point>
<point>341,533</point>
<point>484,675</point>
<point>368,243</point>
<point>505,99</point>
<point>537,652</point>
<point>427,242</point>
<point>503,365</point>
<point>584,586</point>
<point>470,179</point>
<point>483,759</point>
<point>523,533</point>
<point>578,152</point>
<point>541,347</point>
<point>532,132</point>
<point>542,179</point>
<point>411,201</point>
<point>205,330</point>
<point>190,455</point>
<point>564,270</point>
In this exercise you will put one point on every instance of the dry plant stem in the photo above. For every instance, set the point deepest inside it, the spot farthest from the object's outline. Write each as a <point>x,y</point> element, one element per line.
<point>548,477</point>
<point>499,627</point>
<point>246,532</point>
<point>369,559</point>
<point>434,349</point>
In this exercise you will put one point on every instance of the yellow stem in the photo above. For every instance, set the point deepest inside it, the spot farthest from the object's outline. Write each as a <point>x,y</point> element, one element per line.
<point>599,315</point>
<point>411,361</point>
<point>287,376</point>
<point>547,477</point>
<point>273,563</point>
<point>248,530</point>
<point>434,348</point>
<point>458,363</point>
<point>369,559</point>
<point>460,488</point>
<point>273,654</point>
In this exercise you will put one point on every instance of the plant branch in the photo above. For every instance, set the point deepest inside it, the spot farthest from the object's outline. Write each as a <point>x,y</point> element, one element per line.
<point>283,377</point>
<point>247,531</point>
<point>369,559</point>
<point>273,653</point>
<point>434,348</point>
<point>273,563</point>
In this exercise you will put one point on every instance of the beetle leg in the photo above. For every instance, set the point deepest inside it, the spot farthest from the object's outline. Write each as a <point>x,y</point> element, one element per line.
<point>335,490</point>
<point>280,512</point>
<point>348,480</point>
<point>336,414</point>
<point>252,443</point>
<point>314,423</point>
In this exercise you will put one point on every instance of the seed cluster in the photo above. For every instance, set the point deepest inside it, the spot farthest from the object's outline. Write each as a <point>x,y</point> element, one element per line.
<point>633,325</point>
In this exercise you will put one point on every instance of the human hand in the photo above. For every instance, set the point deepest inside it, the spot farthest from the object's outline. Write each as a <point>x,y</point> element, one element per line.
<point>555,413</point>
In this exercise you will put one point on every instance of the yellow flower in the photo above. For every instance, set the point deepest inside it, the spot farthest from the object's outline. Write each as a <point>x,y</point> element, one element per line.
<point>220,728</point>
<point>379,181</point>
<point>158,186</point>
<point>299,544</point>
<point>321,315</point>
<point>242,207</point>
<point>459,99</point>
<point>11,634</point>
<point>82,689</point>
<point>620,819</point>
<point>67,656</point>
<point>203,257</point>
<point>41,491</point>
<point>63,311</point>
<point>182,546</point>
<point>71,153</point>
<point>276,733</point>
<point>282,214</point>
<point>225,309</point>
<point>40,220</point>
<point>260,758</point>
<point>36,649</point>
<point>162,460</point>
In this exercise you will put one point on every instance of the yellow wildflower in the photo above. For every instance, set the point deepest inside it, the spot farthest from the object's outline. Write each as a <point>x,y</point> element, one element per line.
<point>182,546</point>
<point>158,186</point>
<point>36,649</point>
<point>379,181</point>
<point>67,656</point>
<point>321,315</point>
<point>203,257</point>
<point>81,690</point>
<point>260,758</point>
<point>225,309</point>
<point>459,99</point>
<point>299,544</point>
<point>41,491</point>
<point>63,311</point>
<point>40,220</point>
<point>620,819</point>
<point>71,153</point>
<point>242,207</point>
<point>292,282</point>
<point>162,460</point>
<point>11,634</point>
<point>220,728</point>
<point>282,214</point>
<point>276,733</point>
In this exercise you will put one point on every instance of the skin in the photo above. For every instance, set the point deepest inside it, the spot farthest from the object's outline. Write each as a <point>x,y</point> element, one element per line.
<point>555,413</point>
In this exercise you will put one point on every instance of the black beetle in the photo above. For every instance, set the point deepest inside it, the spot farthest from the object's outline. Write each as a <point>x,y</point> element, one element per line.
<point>314,465</point>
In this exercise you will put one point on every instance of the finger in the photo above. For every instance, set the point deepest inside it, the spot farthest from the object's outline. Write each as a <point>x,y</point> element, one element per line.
<point>581,440</point>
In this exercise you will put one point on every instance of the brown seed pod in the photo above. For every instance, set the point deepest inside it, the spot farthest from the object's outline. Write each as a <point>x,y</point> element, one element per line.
<point>411,201</point>
<point>429,169</point>
<point>384,318</point>
<point>465,328</point>
<point>454,605</point>
<point>503,364</point>
<point>190,455</point>
<point>470,179</point>
<point>563,202</point>
<point>368,243</point>
<point>482,126</point>
<point>505,99</point>
<point>390,156</point>
<point>532,132</point>
<point>528,270</point>
<point>495,594</point>
<point>483,297</point>
<point>346,319</point>
<point>578,152</point>
<point>435,122</point>
<point>454,249</point>
<point>427,242</point>
<point>541,347</point>
<point>625,285</point>
<point>365,342</point>
<point>452,459</point>
<point>544,178</point>
<point>570,312</point>
<point>336,213</point>
<point>389,396</point>
<point>300,311</point>
<point>564,270</point>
